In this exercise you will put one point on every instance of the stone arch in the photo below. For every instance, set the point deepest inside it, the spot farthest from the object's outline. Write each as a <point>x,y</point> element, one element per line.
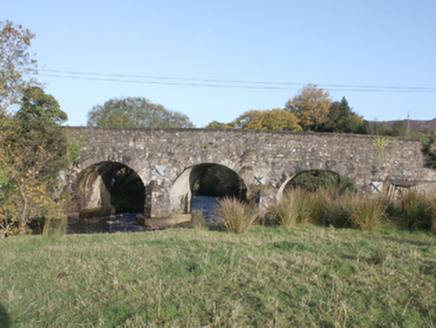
<point>101,185</point>
<point>284,185</point>
<point>181,190</point>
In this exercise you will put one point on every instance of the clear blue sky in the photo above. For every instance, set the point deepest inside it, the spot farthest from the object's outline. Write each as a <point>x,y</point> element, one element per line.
<point>375,43</point>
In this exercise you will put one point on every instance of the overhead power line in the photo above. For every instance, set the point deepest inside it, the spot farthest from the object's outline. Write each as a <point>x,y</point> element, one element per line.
<point>216,83</point>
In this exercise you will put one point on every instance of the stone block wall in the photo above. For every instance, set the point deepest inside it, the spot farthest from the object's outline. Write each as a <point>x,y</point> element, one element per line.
<point>266,159</point>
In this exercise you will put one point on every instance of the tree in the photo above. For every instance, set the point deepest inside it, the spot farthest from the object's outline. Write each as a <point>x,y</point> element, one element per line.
<point>136,112</point>
<point>41,136</point>
<point>250,120</point>
<point>311,106</point>
<point>16,64</point>
<point>219,126</point>
<point>376,128</point>
<point>275,119</point>
<point>341,119</point>
<point>39,109</point>
<point>35,149</point>
<point>399,129</point>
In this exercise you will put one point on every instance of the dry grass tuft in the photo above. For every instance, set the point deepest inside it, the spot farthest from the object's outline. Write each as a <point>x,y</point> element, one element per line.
<point>367,212</point>
<point>236,215</point>
<point>292,209</point>
<point>418,210</point>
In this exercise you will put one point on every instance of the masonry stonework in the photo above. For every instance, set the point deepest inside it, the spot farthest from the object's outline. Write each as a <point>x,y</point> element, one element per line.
<point>169,160</point>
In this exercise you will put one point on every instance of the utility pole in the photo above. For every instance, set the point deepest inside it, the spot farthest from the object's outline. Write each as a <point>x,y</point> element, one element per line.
<point>408,123</point>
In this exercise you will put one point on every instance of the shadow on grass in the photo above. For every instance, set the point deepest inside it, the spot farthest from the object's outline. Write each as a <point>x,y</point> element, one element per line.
<point>216,227</point>
<point>4,318</point>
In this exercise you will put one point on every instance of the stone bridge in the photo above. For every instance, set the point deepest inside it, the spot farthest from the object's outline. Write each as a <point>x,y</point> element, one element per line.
<point>168,161</point>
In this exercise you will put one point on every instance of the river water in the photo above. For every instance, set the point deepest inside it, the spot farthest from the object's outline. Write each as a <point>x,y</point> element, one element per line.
<point>207,205</point>
<point>126,222</point>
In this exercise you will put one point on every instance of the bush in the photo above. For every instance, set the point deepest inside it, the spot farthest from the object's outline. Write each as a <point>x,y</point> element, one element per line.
<point>237,216</point>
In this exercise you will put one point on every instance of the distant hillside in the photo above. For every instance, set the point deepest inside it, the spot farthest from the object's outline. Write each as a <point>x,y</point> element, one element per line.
<point>416,124</point>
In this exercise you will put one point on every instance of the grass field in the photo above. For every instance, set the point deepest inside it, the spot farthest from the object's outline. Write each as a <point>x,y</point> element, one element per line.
<point>308,276</point>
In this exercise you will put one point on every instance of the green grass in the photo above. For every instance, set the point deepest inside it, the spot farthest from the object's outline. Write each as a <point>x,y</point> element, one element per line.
<point>309,276</point>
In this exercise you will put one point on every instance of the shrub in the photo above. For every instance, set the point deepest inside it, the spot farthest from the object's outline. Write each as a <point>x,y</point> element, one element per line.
<point>237,216</point>
<point>366,212</point>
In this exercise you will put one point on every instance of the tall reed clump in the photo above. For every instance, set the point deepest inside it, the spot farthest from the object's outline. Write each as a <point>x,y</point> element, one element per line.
<point>329,206</point>
<point>417,210</point>
<point>236,215</point>
<point>317,205</point>
<point>322,207</point>
<point>337,211</point>
<point>366,212</point>
<point>291,209</point>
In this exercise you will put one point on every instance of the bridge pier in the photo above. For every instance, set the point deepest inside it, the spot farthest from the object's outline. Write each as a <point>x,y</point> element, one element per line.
<point>157,202</point>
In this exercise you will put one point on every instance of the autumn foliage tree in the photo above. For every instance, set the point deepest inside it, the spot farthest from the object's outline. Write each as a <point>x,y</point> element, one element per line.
<point>275,119</point>
<point>311,107</point>
<point>17,67</point>
<point>35,150</point>
<point>34,147</point>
